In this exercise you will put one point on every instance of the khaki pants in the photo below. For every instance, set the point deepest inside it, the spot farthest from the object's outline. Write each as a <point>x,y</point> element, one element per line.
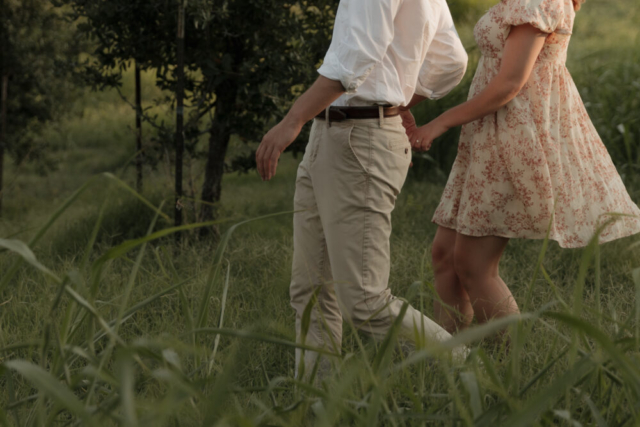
<point>346,189</point>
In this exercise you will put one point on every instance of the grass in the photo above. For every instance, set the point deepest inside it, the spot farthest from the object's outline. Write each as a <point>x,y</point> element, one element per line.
<point>100,328</point>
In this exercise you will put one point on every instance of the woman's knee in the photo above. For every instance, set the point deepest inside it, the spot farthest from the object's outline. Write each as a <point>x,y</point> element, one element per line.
<point>465,266</point>
<point>442,255</point>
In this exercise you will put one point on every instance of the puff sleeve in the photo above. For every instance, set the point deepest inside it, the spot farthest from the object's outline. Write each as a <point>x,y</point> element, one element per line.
<point>548,16</point>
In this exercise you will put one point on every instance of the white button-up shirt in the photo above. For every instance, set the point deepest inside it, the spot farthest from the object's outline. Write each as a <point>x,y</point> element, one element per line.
<point>384,51</point>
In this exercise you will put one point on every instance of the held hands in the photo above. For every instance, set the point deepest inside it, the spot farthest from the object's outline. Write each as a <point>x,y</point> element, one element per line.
<point>422,137</point>
<point>272,146</point>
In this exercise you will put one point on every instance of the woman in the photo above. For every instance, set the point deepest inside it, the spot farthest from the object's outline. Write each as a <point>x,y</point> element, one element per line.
<point>530,161</point>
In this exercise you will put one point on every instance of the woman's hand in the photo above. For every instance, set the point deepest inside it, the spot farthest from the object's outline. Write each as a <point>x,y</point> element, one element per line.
<point>422,138</point>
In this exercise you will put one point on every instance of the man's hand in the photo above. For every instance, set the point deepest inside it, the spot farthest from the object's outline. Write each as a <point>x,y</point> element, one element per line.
<point>272,146</point>
<point>319,96</point>
<point>422,138</point>
<point>409,122</point>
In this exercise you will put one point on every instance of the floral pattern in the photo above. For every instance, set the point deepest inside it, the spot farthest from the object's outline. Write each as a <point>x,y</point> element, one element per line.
<point>537,165</point>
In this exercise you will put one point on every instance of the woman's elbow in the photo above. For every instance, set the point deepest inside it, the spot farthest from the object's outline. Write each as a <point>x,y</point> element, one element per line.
<point>509,89</point>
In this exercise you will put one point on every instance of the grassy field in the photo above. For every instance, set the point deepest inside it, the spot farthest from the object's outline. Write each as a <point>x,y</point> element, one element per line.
<point>104,329</point>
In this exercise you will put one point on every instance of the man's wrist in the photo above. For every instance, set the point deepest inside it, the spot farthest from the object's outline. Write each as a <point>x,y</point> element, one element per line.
<point>294,120</point>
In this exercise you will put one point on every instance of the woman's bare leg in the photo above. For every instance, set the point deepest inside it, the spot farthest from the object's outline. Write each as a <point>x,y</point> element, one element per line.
<point>476,262</point>
<point>453,311</point>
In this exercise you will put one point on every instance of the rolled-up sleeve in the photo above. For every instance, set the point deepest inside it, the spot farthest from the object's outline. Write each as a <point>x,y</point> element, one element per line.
<point>446,61</point>
<point>362,34</point>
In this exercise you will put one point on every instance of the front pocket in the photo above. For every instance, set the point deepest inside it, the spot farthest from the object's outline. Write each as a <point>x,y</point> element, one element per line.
<point>400,146</point>
<point>397,143</point>
<point>358,146</point>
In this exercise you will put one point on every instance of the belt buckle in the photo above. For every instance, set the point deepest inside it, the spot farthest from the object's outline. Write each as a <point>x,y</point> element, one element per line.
<point>341,114</point>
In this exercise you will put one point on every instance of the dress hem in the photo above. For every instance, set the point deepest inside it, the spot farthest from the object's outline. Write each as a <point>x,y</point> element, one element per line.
<point>563,245</point>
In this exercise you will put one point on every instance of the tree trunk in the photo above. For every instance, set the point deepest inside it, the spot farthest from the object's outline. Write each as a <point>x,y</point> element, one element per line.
<point>179,117</point>
<point>138,130</point>
<point>218,144</point>
<point>214,170</point>
<point>3,131</point>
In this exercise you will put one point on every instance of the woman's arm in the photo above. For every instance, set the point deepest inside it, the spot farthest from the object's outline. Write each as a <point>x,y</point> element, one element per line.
<point>520,53</point>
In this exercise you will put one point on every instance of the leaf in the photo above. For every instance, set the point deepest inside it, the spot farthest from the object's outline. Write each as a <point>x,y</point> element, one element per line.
<point>537,405</point>
<point>126,377</point>
<point>221,322</point>
<point>466,337</point>
<point>126,187</point>
<point>51,387</point>
<point>386,347</point>
<point>470,383</point>
<point>25,252</point>
<point>630,368</point>
<point>264,338</point>
<point>595,413</point>
<point>216,262</point>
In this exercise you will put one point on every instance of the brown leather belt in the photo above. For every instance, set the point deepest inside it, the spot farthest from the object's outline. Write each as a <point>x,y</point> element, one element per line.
<point>338,114</point>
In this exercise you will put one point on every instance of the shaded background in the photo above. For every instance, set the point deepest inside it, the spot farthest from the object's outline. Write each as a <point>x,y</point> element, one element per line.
<point>69,69</point>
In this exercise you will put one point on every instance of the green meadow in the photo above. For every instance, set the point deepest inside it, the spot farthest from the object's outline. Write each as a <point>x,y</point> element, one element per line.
<point>106,319</point>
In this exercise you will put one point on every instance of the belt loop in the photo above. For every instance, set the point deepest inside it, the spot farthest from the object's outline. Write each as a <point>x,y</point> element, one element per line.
<point>381,112</point>
<point>327,116</point>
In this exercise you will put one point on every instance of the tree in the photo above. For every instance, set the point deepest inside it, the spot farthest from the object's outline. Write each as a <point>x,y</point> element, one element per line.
<point>258,58</point>
<point>122,32</point>
<point>244,63</point>
<point>179,112</point>
<point>37,64</point>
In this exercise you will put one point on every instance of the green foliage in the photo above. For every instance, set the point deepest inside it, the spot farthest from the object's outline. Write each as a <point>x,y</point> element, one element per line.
<point>469,10</point>
<point>39,54</point>
<point>98,331</point>
<point>149,359</point>
<point>245,63</point>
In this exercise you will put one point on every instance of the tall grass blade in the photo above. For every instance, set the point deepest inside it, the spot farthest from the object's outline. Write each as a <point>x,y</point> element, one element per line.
<point>92,310</point>
<point>305,323</point>
<point>215,265</point>
<point>221,322</point>
<point>25,252</point>
<point>528,415</point>
<point>539,264</point>
<point>94,233</point>
<point>133,310</point>
<point>53,388</point>
<point>130,245</point>
<point>263,338</point>
<point>385,351</point>
<point>636,280</point>
<point>595,412</point>
<point>139,196</point>
<point>542,372</point>
<point>54,217</point>
<point>622,361</point>
<point>470,383</point>
<point>465,337</point>
<point>134,273</point>
<point>126,377</point>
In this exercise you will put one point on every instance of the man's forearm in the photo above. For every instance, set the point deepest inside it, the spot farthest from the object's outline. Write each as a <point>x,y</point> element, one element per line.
<point>417,99</point>
<point>315,100</point>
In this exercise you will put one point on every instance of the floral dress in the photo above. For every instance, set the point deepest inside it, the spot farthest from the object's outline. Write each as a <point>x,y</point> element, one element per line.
<point>537,164</point>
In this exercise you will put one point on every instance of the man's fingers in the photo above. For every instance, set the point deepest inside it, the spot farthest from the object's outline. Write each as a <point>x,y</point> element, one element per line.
<point>274,164</point>
<point>259,160</point>
<point>266,163</point>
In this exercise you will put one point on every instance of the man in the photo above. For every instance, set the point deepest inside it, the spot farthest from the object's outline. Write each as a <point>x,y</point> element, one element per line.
<point>385,57</point>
